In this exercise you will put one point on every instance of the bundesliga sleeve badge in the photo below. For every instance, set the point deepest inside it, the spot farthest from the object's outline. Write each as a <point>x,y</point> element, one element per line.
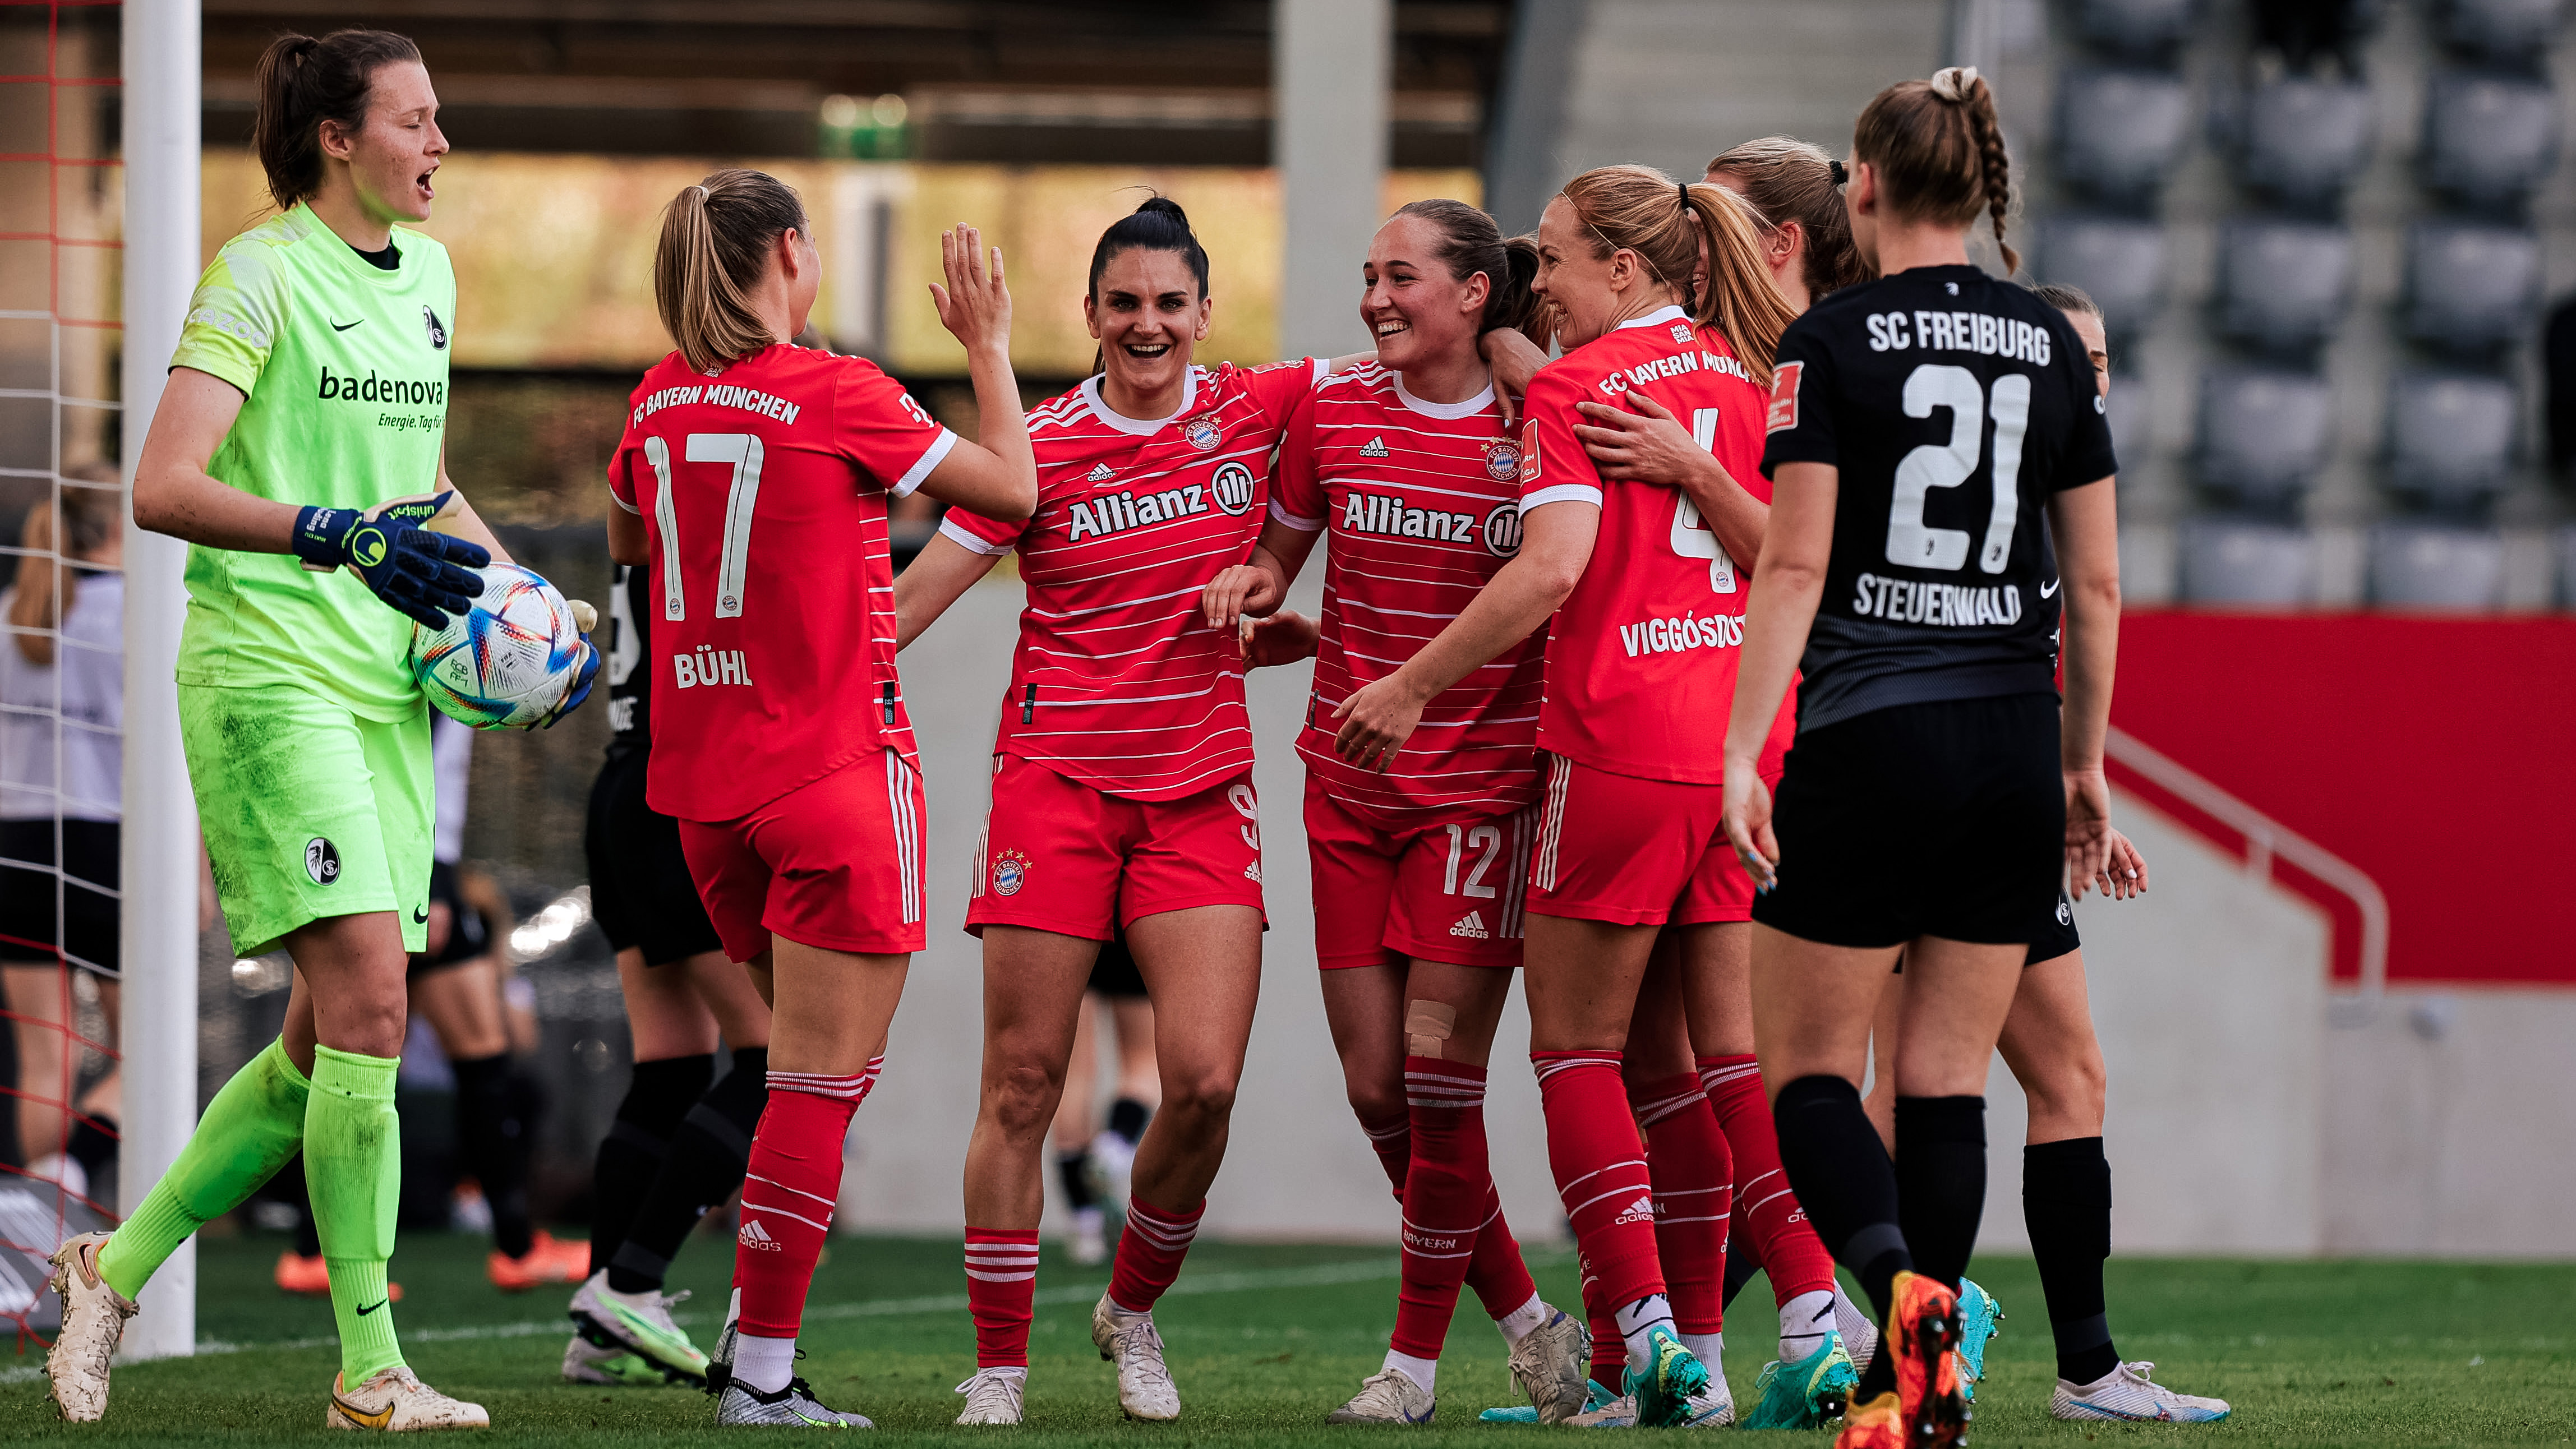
<point>1784,396</point>
<point>1502,459</point>
<point>1010,872</point>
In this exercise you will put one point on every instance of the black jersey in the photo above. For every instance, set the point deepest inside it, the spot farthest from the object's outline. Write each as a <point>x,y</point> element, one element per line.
<point>630,694</point>
<point>1953,405</point>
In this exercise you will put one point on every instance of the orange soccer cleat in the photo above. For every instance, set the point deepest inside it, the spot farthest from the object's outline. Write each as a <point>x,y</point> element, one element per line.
<point>1874,1425</point>
<point>547,1260</point>
<point>311,1278</point>
<point>1923,1329</point>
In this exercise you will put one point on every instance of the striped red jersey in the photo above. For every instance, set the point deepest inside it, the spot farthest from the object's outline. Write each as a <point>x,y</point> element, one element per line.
<point>1641,656</point>
<point>1118,682</point>
<point>1422,504</point>
<point>763,490</point>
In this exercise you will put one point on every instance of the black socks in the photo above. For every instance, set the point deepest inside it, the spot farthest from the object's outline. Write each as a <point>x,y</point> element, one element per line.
<point>658,1095</point>
<point>1940,1181</point>
<point>2066,1201</point>
<point>1075,1169</point>
<point>1127,1118</point>
<point>703,1165</point>
<point>495,1147</point>
<point>1840,1171</point>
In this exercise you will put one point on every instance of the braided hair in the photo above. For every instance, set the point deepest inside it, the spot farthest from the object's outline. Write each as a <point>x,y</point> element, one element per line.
<point>1939,151</point>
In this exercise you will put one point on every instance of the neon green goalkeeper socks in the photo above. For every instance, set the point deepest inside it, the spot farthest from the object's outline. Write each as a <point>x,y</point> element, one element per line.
<point>353,1168</point>
<point>249,1131</point>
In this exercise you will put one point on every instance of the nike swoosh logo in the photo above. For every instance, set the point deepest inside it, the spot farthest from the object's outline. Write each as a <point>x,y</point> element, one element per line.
<point>2049,589</point>
<point>344,326</point>
<point>373,1420</point>
<point>420,915</point>
<point>372,1307</point>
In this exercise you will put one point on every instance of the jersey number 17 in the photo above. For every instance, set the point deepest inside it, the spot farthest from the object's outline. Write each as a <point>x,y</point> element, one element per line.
<point>742,450</point>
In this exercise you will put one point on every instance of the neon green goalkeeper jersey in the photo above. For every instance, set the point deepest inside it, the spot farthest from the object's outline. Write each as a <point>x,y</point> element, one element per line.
<point>343,371</point>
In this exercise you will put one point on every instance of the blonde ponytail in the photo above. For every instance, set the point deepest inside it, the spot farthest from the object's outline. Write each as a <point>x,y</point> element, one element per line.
<point>715,243</point>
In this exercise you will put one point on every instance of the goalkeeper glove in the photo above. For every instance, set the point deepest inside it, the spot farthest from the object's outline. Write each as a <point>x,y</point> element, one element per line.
<point>420,573</point>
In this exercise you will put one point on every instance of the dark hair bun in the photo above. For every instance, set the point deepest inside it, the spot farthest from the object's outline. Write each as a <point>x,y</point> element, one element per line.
<point>1159,225</point>
<point>1164,206</point>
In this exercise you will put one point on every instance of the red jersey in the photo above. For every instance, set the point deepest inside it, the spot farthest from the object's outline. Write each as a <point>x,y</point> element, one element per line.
<point>1423,503</point>
<point>763,490</point>
<point>1118,682</point>
<point>1641,657</point>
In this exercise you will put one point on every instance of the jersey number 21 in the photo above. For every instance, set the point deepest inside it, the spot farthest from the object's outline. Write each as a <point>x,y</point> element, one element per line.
<point>1912,542</point>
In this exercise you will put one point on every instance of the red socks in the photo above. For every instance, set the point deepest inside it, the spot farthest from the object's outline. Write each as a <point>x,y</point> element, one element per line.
<point>1150,1251</point>
<point>1600,1172</point>
<point>1001,1293</point>
<point>1694,1176</point>
<point>788,1192</point>
<point>1773,1224</point>
<point>1392,1141</point>
<point>1453,1218</point>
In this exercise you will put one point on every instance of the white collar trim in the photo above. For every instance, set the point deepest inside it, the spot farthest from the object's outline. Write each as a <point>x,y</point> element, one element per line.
<point>1138,427</point>
<point>1660,314</point>
<point>1450,410</point>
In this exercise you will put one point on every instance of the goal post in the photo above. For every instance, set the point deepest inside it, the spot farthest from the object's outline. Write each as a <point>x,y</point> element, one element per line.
<point>160,65</point>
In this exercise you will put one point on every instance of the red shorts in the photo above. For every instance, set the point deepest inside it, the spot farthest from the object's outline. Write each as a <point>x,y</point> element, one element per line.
<point>1442,890</point>
<point>834,863</point>
<point>1061,856</point>
<point>1634,852</point>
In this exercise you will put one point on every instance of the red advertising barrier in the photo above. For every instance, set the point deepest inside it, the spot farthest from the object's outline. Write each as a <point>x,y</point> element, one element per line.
<point>2438,756</point>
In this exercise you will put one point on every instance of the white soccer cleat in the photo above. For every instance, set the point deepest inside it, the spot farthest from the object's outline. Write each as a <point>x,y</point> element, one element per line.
<point>1619,1413</point>
<point>1550,1364</point>
<point>2127,1393</point>
<point>793,1407</point>
<point>608,1366</point>
<point>993,1396</point>
<point>397,1402</point>
<point>1712,1407</point>
<point>93,1321</point>
<point>642,1323</point>
<point>1145,1388</point>
<point>1090,1245</point>
<point>1389,1396</point>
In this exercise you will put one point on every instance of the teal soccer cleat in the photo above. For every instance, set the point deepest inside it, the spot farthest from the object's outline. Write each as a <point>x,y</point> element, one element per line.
<point>1525,1414</point>
<point>1673,1378</point>
<point>1978,1315</point>
<point>1806,1394</point>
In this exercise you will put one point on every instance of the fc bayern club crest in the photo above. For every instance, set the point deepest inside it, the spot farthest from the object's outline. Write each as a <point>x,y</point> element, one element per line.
<point>1502,460</point>
<point>1010,872</point>
<point>1203,434</point>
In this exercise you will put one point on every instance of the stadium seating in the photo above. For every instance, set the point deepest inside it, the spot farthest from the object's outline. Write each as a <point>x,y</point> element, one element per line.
<point>2471,287</point>
<point>2416,564</point>
<point>2488,138</point>
<point>2136,27</point>
<point>2245,562</point>
<point>2283,285</point>
<point>2132,420</point>
<point>2450,437</point>
<point>2119,132</point>
<point>2305,140</point>
<point>2119,262</point>
<point>2263,433</point>
<point>2504,32</point>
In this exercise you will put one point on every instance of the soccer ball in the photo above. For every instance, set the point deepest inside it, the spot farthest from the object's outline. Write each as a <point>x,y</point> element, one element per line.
<point>508,660</point>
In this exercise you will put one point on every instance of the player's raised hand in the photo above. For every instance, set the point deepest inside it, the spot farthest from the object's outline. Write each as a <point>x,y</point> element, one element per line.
<point>975,306</point>
<point>1283,638</point>
<point>1647,445</point>
<point>1377,721</point>
<point>1747,817</point>
<point>1237,591</point>
<point>2088,828</point>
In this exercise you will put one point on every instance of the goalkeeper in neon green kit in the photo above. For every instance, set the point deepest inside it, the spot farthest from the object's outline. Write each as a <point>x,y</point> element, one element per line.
<point>309,387</point>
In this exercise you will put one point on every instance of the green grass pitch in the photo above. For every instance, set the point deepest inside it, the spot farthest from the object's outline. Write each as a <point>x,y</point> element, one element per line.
<point>1265,1339</point>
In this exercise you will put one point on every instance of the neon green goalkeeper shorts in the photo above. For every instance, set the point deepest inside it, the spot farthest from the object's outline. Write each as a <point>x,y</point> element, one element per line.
<point>309,811</point>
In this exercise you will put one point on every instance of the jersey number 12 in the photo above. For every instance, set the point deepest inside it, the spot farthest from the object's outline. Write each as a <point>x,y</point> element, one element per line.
<point>1911,541</point>
<point>742,450</point>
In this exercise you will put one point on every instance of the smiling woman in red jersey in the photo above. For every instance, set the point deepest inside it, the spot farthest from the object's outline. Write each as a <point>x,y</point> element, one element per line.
<point>1419,868</point>
<point>753,479</point>
<point>1639,661</point>
<point>1122,786</point>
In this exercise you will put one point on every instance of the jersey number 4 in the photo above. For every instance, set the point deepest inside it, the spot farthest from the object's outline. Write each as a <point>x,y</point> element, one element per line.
<point>1911,541</point>
<point>742,450</point>
<point>1692,537</point>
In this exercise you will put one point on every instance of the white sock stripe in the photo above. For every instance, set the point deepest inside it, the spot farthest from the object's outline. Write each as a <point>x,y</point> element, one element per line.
<point>782,1187</point>
<point>1660,1194</point>
<point>981,1277</point>
<point>749,1207</point>
<point>1167,1233</point>
<point>1387,1134</point>
<point>1653,1112</point>
<point>1637,1162</point>
<point>1749,1208</point>
<point>1001,1257</point>
<point>1663,1221</point>
<point>1633,1190</point>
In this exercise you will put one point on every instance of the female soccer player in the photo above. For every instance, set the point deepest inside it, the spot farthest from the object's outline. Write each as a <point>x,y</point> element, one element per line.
<point>1927,713</point>
<point>1421,866</point>
<point>2049,1044</point>
<point>313,366</point>
<point>753,479</point>
<point>681,1138</point>
<point>1638,656</point>
<point>1122,787</point>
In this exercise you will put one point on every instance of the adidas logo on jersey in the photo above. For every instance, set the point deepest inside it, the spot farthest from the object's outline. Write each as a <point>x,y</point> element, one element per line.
<point>1374,448</point>
<point>757,1238</point>
<point>1100,473</point>
<point>1472,926</point>
<point>1640,1211</point>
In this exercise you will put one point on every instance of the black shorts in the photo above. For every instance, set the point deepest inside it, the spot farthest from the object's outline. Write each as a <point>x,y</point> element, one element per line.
<point>1944,819</point>
<point>2056,938</point>
<point>1113,971</point>
<point>85,932</point>
<point>641,893</point>
<point>469,931</point>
